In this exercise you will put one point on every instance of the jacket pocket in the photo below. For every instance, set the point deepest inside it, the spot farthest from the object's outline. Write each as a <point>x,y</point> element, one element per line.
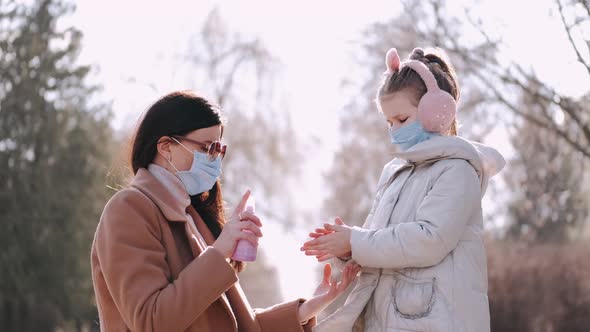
<point>413,298</point>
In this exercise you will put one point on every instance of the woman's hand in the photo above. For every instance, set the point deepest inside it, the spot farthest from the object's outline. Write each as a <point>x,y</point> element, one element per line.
<point>327,291</point>
<point>233,230</point>
<point>330,241</point>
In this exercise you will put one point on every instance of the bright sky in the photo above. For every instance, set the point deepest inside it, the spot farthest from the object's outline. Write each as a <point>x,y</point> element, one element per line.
<point>314,40</point>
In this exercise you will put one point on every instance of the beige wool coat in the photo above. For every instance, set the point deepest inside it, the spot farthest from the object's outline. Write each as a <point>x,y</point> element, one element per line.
<point>150,272</point>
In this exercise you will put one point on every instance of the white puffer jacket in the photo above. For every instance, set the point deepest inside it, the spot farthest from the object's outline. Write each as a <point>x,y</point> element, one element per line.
<point>421,247</point>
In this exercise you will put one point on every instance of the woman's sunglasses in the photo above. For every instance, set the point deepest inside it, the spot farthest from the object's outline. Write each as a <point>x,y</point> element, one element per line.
<point>214,150</point>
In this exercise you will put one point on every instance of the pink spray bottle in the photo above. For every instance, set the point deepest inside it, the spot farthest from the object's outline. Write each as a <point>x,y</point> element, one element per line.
<point>246,251</point>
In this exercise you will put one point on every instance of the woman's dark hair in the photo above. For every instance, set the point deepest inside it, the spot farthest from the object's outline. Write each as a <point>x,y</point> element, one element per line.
<point>180,113</point>
<point>407,79</point>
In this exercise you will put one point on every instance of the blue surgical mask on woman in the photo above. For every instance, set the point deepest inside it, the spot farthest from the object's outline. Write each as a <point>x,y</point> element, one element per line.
<point>202,175</point>
<point>410,135</point>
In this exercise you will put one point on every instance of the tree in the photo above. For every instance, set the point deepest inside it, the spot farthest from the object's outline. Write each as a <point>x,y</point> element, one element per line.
<point>53,143</point>
<point>502,80</point>
<point>551,128</point>
<point>499,94</point>
<point>263,150</point>
<point>239,75</point>
<point>552,205</point>
<point>366,145</point>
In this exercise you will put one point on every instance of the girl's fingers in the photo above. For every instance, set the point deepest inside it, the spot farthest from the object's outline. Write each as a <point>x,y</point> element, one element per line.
<point>309,243</point>
<point>314,253</point>
<point>324,257</point>
<point>319,232</point>
<point>314,242</point>
<point>319,247</point>
<point>338,221</point>
<point>333,228</point>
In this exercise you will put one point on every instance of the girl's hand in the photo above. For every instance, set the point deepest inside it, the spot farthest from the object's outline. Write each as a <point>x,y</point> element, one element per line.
<point>327,291</point>
<point>331,241</point>
<point>233,230</point>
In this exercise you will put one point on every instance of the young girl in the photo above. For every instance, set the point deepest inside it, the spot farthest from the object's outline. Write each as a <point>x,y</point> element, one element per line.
<point>421,248</point>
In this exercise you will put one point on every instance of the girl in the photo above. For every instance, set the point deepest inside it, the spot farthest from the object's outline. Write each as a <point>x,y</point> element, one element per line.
<point>160,257</point>
<point>421,247</point>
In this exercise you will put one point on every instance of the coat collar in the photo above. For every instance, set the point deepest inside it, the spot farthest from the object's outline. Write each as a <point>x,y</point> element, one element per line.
<point>441,147</point>
<point>172,208</point>
<point>486,160</point>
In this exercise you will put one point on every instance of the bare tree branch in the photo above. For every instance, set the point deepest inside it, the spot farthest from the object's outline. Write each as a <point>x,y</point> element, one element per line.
<point>549,125</point>
<point>570,38</point>
<point>586,5</point>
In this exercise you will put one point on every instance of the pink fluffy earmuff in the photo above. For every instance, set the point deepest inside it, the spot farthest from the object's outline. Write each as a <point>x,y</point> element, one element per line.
<point>437,109</point>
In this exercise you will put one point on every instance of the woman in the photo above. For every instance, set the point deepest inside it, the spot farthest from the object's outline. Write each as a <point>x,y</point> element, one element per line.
<point>161,253</point>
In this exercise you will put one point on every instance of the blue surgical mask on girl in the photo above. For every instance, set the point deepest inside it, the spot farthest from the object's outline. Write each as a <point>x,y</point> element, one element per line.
<point>203,172</point>
<point>410,135</point>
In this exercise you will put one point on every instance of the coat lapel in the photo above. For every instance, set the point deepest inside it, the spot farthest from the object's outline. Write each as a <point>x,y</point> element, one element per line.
<point>196,247</point>
<point>177,211</point>
<point>238,303</point>
<point>173,208</point>
<point>205,232</point>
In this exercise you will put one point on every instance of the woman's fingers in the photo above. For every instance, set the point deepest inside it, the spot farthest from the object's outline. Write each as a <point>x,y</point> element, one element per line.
<point>251,227</point>
<point>338,221</point>
<point>251,216</point>
<point>242,204</point>
<point>346,276</point>
<point>333,286</point>
<point>354,270</point>
<point>249,237</point>
<point>327,274</point>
